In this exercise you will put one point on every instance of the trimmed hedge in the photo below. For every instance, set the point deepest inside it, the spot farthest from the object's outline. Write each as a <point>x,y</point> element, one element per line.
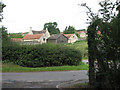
<point>41,55</point>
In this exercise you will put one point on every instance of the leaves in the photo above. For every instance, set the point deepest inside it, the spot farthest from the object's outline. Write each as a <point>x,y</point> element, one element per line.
<point>41,55</point>
<point>52,28</point>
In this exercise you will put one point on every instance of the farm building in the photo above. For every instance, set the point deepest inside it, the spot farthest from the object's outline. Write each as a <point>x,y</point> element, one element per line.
<point>71,38</point>
<point>36,37</point>
<point>82,33</point>
<point>32,32</point>
<point>57,38</point>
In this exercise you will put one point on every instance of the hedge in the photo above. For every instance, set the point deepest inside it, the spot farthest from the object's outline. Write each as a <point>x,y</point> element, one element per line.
<point>41,55</point>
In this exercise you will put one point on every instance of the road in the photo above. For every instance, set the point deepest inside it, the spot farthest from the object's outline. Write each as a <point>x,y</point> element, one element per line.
<point>43,79</point>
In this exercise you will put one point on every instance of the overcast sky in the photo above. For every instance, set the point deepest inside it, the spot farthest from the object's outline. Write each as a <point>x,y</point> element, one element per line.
<point>20,15</point>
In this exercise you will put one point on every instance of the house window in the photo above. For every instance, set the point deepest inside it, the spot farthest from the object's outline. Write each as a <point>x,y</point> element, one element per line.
<point>43,39</point>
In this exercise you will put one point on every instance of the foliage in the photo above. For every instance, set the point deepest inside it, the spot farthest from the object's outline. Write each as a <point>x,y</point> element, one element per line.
<point>104,48</point>
<point>2,5</point>
<point>70,30</point>
<point>5,38</point>
<point>52,27</point>
<point>41,55</point>
<point>14,35</point>
<point>81,46</point>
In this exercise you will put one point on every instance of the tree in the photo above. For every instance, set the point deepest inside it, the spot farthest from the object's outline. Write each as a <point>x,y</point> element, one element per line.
<point>3,30</point>
<point>52,28</point>
<point>104,48</point>
<point>15,35</point>
<point>70,30</point>
<point>2,5</point>
<point>5,39</point>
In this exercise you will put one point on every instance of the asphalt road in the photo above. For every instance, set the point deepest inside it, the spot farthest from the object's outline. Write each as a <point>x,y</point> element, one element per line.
<point>43,79</point>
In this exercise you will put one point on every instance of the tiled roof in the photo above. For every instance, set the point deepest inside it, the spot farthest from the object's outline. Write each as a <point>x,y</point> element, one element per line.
<point>61,32</point>
<point>16,39</point>
<point>98,32</point>
<point>29,37</point>
<point>68,35</point>
<point>38,32</point>
<point>80,31</point>
<point>54,36</point>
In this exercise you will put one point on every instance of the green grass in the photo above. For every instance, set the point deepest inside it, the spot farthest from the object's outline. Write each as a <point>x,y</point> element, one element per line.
<point>80,45</point>
<point>16,68</point>
<point>80,85</point>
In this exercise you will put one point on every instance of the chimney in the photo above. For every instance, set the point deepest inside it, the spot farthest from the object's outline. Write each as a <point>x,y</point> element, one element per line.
<point>30,28</point>
<point>46,29</point>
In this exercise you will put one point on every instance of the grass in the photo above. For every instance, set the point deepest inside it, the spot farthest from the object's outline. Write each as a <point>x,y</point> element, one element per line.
<point>80,45</point>
<point>17,68</point>
<point>81,85</point>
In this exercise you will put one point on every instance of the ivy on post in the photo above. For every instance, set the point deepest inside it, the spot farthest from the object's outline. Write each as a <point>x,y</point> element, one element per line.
<point>104,47</point>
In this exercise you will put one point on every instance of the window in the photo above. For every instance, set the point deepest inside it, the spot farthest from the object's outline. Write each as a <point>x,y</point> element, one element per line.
<point>43,39</point>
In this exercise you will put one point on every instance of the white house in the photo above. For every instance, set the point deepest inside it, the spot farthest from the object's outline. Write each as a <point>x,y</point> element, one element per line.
<point>38,37</point>
<point>71,38</point>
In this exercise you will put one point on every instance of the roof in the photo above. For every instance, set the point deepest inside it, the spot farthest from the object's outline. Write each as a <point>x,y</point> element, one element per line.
<point>61,32</point>
<point>29,37</point>
<point>98,32</point>
<point>55,36</point>
<point>38,32</point>
<point>68,35</point>
<point>16,39</point>
<point>81,31</point>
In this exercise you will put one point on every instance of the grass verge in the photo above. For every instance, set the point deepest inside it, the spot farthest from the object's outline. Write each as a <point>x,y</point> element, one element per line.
<point>16,68</point>
<point>81,85</point>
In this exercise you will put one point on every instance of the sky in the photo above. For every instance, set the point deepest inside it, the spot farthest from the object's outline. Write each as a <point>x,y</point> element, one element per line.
<point>20,15</point>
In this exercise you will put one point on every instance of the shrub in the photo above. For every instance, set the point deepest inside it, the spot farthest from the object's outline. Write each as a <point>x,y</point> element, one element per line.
<point>41,55</point>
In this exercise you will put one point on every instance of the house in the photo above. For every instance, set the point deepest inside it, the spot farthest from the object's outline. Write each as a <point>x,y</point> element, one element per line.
<point>57,38</point>
<point>36,37</point>
<point>32,32</point>
<point>71,38</point>
<point>82,33</point>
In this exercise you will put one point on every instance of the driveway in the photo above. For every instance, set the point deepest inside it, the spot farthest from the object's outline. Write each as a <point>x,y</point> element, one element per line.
<point>43,79</point>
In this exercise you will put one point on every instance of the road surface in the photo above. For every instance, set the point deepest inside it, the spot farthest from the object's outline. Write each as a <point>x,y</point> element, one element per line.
<point>43,79</point>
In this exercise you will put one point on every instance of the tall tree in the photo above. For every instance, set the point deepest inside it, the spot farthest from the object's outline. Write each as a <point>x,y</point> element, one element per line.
<point>71,30</point>
<point>3,30</point>
<point>104,48</point>
<point>2,5</point>
<point>52,27</point>
<point>15,35</point>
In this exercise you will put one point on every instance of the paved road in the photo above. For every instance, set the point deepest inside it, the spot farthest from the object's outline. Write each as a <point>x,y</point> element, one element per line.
<point>42,79</point>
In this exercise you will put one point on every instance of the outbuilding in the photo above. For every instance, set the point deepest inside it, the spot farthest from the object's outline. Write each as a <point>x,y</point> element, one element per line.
<point>57,38</point>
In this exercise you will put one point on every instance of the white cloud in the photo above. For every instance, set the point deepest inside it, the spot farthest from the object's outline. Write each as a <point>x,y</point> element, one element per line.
<point>19,15</point>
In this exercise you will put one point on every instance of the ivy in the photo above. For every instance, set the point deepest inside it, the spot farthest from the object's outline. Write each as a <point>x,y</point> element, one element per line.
<point>104,48</point>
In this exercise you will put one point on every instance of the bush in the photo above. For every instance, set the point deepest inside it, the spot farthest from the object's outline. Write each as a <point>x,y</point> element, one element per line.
<point>41,55</point>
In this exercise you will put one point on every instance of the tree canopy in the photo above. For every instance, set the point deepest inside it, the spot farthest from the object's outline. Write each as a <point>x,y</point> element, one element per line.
<point>2,5</point>
<point>15,35</point>
<point>52,27</point>
<point>70,30</point>
<point>104,48</point>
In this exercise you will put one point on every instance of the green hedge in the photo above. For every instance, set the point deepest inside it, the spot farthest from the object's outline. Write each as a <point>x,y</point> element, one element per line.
<point>40,55</point>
